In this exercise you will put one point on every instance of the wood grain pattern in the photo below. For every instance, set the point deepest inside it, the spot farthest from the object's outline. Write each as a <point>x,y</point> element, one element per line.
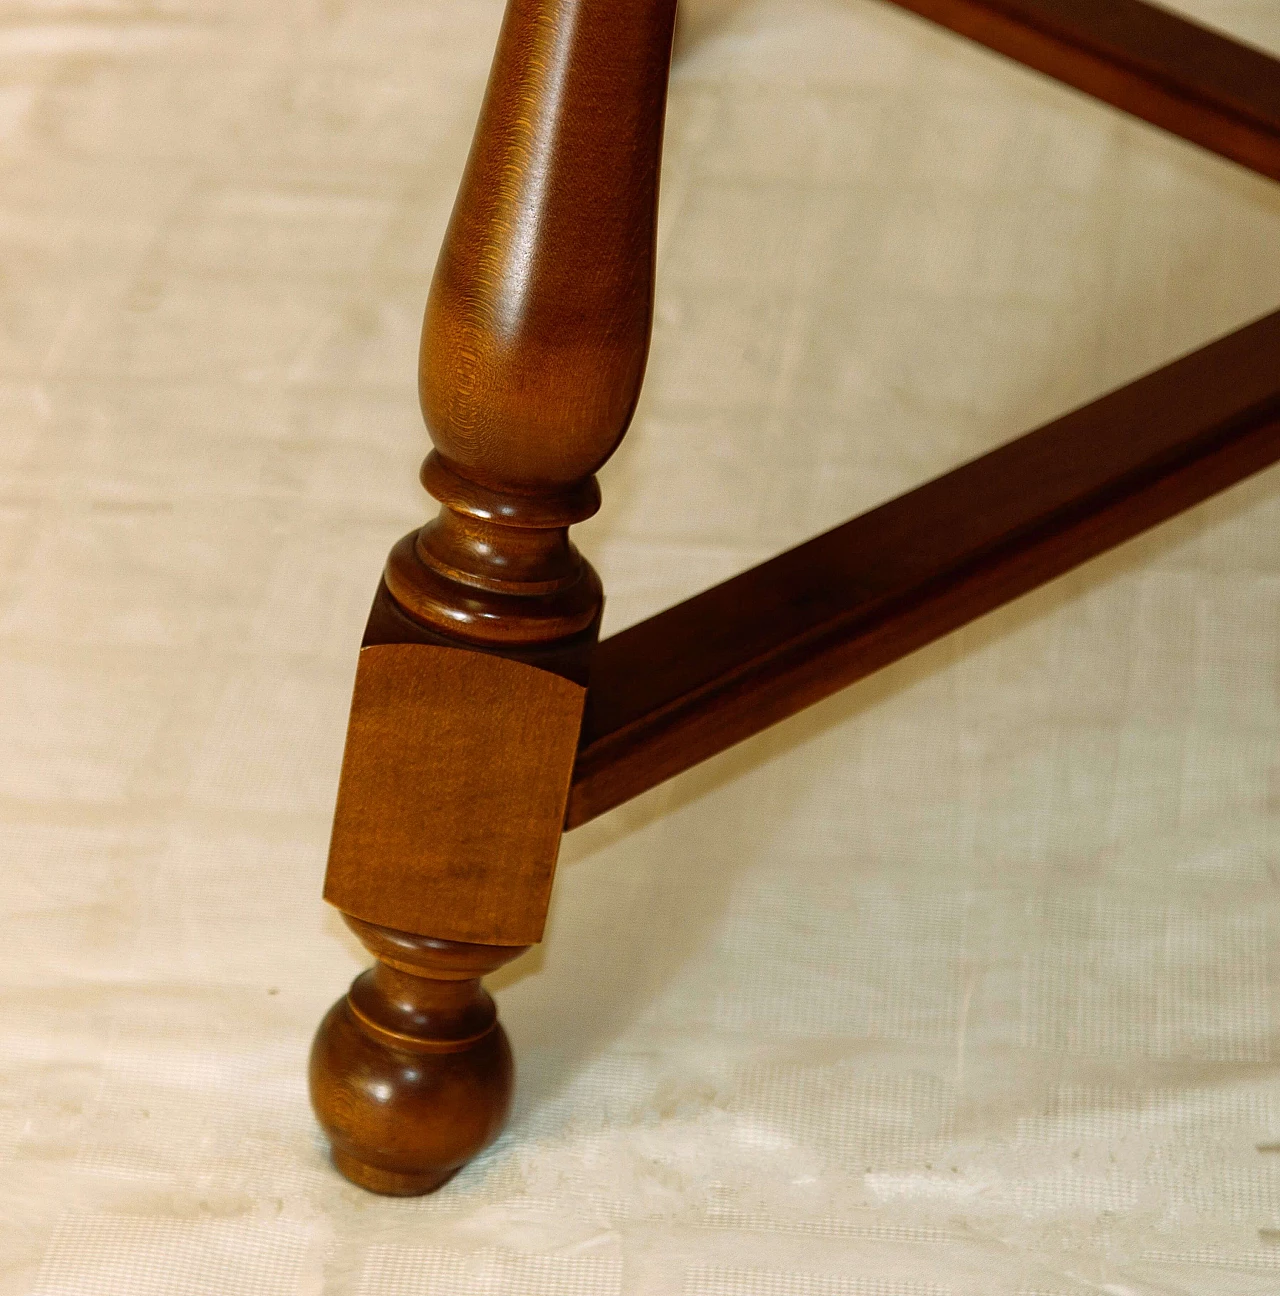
<point>468,703</point>
<point>1206,88</point>
<point>537,325</point>
<point>453,793</point>
<point>533,350</point>
<point>676,689</point>
<point>411,1074</point>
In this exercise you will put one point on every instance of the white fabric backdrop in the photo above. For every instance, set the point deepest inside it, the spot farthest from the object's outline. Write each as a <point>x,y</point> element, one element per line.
<point>964,981</point>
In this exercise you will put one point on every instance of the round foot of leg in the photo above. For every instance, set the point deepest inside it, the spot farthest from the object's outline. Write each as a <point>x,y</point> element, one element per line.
<point>411,1074</point>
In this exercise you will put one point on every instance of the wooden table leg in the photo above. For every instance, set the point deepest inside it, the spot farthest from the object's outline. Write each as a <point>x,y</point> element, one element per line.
<point>469,692</point>
<point>411,1073</point>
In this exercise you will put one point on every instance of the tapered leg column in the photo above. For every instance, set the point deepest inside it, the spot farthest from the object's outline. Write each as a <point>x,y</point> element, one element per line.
<point>473,675</point>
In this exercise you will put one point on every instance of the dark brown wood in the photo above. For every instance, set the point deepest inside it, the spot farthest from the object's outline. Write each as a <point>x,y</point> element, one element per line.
<point>533,351</point>
<point>1204,87</point>
<point>537,326</point>
<point>411,1074</point>
<point>686,684</point>
<point>534,348</point>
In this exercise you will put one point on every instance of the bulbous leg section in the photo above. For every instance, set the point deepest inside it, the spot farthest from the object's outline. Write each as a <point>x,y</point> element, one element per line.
<point>403,1121</point>
<point>411,1074</point>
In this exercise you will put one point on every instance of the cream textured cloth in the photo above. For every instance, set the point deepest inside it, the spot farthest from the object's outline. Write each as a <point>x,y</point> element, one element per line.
<point>964,981</point>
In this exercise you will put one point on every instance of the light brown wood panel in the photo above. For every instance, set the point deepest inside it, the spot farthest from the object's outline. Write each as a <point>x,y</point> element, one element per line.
<point>453,792</point>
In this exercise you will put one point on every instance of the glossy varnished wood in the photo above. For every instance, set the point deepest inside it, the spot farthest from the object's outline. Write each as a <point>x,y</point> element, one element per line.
<point>458,762</point>
<point>411,1074</point>
<point>534,347</point>
<point>1171,72</point>
<point>537,324</point>
<point>537,327</point>
<point>684,685</point>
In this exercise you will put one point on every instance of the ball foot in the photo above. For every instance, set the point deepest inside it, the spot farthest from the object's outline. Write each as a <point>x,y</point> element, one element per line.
<point>411,1074</point>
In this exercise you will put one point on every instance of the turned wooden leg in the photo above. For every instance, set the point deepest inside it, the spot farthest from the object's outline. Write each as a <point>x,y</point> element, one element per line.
<point>472,679</point>
<point>411,1074</point>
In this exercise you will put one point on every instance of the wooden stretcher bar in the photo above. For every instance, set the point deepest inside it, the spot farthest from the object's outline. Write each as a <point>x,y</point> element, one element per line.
<point>701,676</point>
<point>1145,60</point>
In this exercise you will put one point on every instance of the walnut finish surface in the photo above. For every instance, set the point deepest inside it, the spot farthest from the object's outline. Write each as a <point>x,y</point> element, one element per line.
<point>411,1073</point>
<point>719,667</point>
<point>453,793</point>
<point>1185,78</point>
<point>537,328</point>
<point>469,697</point>
<point>1038,851</point>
